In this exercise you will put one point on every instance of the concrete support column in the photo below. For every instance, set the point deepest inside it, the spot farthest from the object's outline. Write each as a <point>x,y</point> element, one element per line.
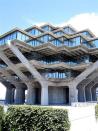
<point>13,94</point>
<point>20,95</point>
<point>73,94</point>
<point>94,98</point>
<point>44,94</point>
<point>9,99</point>
<point>31,95</point>
<point>88,94</point>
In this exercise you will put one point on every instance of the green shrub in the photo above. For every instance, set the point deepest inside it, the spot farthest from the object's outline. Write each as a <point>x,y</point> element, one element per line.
<point>1,116</point>
<point>96,111</point>
<point>32,118</point>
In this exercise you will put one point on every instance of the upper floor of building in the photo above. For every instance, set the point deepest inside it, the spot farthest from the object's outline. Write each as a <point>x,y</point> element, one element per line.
<point>57,36</point>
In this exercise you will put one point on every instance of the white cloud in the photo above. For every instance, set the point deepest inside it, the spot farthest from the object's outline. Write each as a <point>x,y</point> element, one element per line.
<point>2,91</point>
<point>34,21</point>
<point>79,22</point>
<point>84,21</point>
<point>31,22</point>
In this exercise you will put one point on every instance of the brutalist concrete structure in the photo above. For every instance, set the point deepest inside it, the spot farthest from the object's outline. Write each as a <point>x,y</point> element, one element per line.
<point>54,65</point>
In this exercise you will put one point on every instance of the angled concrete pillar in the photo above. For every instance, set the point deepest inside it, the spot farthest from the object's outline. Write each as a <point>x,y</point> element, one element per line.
<point>94,98</point>
<point>44,94</point>
<point>88,94</point>
<point>30,95</point>
<point>9,98</point>
<point>13,67</point>
<point>20,95</point>
<point>35,73</point>
<point>25,61</point>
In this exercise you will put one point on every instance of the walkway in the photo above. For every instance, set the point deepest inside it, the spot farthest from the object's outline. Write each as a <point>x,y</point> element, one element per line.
<point>82,118</point>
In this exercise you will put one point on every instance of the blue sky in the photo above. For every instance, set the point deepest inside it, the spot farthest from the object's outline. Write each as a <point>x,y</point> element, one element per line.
<point>24,13</point>
<point>80,14</point>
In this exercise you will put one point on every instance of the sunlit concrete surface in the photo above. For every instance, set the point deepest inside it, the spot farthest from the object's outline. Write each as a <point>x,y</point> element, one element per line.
<point>82,118</point>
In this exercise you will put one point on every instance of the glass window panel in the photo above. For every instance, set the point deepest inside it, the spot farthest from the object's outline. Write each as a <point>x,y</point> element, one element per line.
<point>46,38</point>
<point>66,42</point>
<point>95,43</point>
<point>47,28</point>
<point>86,33</point>
<point>34,32</point>
<point>59,33</point>
<point>15,35</point>
<point>56,42</point>
<point>68,30</point>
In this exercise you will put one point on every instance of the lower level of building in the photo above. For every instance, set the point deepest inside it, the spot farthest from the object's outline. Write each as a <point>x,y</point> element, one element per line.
<point>48,95</point>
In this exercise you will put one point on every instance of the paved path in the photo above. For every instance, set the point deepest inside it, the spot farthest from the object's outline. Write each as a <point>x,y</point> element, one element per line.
<point>82,118</point>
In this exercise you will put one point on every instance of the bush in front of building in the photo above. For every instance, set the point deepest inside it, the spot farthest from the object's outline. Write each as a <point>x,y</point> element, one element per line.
<point>34,118</point>
<point>96,111</point>
<point>1,116</point>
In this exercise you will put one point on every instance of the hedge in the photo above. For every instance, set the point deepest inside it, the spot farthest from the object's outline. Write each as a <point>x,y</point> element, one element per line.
<point>96,111</point>
<point>1,116</point>
<point>34,118</point>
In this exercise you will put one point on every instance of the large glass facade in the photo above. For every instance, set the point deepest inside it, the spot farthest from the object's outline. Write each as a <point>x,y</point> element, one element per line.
<point>34,32</point>
<point>45,38</point>
<point>88,45</point>
<point>49,61</point>
<point>58,40</point>
<point>84,59</point>
<point>34,43</point>
<point>87,34</point>
<point>59,75</point>
<point>94,43</point>
<point>66,63</point>
<point>68,30</point>
<point>15,35</point>
<point>47,28</point>
<point>72,42</point>
<point>59,33</point>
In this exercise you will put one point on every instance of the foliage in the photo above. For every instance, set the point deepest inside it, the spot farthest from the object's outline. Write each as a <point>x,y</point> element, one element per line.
<point>96,111</point>
<point>1,116</point>
<point>34,118</point>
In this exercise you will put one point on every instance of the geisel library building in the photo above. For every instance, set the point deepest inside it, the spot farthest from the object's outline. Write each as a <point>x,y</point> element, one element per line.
<point>49,65</point>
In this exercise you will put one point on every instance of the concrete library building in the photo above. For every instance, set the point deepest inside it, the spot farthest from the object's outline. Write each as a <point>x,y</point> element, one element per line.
<point>49,65</point>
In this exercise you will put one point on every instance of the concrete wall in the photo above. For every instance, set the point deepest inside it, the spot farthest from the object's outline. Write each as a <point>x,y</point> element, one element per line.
<point>57,95</point>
